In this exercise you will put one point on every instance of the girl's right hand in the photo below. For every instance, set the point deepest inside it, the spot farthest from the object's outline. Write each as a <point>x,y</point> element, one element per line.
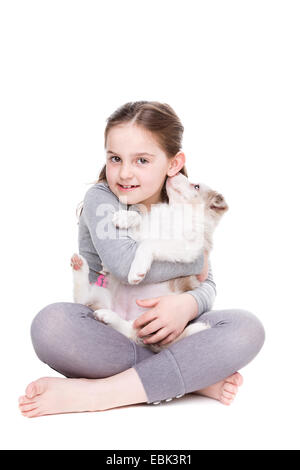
<point>204,273</point>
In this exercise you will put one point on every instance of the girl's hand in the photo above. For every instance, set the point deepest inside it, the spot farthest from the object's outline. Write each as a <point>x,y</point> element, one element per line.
<point>167,317</point>
<point>204,273</point>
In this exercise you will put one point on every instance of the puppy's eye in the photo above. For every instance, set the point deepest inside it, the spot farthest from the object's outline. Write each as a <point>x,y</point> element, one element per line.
<point>197,186</point>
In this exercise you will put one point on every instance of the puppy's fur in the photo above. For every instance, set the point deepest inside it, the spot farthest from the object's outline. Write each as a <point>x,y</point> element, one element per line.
<point>178,231</point>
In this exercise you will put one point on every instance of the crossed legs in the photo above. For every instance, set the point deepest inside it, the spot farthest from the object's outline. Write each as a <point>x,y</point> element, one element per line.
<point>104,369</point>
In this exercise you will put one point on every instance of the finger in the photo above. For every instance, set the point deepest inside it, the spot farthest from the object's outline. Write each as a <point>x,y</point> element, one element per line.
<point>160,335</point>
<point>168,339</point>
<point>144,319</point>
<point>148,302</point>
<point>152,327</point>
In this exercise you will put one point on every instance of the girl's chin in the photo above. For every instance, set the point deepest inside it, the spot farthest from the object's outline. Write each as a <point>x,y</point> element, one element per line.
<point>127,197</point>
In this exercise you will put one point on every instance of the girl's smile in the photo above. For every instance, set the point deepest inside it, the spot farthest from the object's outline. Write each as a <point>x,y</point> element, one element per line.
<point>126,188</point>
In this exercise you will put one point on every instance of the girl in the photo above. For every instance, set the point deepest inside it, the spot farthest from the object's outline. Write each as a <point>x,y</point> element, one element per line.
<point>104,369</point>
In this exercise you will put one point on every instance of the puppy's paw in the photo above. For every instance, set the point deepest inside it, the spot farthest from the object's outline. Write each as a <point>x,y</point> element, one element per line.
<point>134,277</point>
<point>126,219</point>
<point>105,316</point>
<point>139,268</point>
<point>78,262</point>
<point>134,336</point>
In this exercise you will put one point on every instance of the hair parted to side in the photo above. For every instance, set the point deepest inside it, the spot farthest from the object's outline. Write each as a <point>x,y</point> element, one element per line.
<point>159,119</point>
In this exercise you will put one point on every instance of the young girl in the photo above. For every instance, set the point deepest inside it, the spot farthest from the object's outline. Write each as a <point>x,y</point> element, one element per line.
<point>104,369</point>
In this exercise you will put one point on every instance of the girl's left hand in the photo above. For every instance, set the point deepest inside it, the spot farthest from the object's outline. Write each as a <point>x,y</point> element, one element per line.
<point>168,317</point>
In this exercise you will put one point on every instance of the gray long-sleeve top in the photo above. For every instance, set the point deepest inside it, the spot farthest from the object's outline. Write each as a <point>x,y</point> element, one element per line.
<point>117,253</point>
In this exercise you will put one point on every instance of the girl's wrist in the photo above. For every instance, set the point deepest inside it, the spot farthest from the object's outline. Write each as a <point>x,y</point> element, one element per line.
<point>191,305</point>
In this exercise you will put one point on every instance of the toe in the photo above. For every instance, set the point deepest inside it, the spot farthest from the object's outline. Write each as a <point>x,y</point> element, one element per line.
<point>35,388</point>
<point>235,378</point>
<point>226,401</point>
<point>228,395</point>
<point>229,387</point>
<point>31,413</point>
<point>241,379</point>
<point>24,400</point>
<point>28,407</point>
<point>31,390</point>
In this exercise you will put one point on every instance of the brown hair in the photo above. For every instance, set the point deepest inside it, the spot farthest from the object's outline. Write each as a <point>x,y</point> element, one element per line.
<point>159,119</point>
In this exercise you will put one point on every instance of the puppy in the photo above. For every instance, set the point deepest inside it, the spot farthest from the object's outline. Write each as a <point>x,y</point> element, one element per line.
<point>177,232</point>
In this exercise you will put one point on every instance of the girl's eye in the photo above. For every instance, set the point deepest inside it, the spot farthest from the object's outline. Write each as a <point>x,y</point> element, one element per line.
<point>141,158</point>
<point>114,156</point>
<point>197,186</point>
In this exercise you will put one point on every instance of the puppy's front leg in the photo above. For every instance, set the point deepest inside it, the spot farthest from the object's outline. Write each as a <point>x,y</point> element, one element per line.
<point>81,284</point>
<point>111,318</point>
<point>162,250</point>
<point>141,263</point>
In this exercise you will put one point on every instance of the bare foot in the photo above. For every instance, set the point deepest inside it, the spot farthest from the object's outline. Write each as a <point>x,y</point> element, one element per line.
<point>225,390</point>
<point>50,395</point>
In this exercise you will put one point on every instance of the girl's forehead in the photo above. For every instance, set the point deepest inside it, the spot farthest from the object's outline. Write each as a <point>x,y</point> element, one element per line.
<point>128,132</point>
<point>131,143</point>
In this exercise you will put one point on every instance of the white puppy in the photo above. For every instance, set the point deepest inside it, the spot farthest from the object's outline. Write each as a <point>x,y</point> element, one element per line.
<point>178,231</point>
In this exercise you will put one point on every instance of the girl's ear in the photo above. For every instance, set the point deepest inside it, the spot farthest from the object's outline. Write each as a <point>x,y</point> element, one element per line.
<point>176,164</point>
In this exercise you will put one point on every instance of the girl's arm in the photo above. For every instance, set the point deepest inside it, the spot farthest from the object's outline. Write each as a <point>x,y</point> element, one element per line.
<point>115,248</point>
<point>204,294</point>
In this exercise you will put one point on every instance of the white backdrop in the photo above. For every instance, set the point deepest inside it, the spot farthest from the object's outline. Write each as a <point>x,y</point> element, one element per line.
<point>230,70</point>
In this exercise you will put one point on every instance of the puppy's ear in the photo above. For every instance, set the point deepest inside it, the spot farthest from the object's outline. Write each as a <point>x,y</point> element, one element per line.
<point>218,203</point>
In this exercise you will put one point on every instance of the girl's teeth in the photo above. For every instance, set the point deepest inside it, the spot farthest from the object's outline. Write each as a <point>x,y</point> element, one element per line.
<point>133,186</point>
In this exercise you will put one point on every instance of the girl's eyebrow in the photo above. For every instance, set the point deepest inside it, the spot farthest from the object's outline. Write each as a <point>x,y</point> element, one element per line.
<point>139,154</point>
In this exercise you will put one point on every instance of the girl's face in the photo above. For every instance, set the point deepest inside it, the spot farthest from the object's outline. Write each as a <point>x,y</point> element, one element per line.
<point>134,158</point>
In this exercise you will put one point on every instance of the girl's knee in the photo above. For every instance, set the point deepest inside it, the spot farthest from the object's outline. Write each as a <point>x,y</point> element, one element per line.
<point>68,338</point>
<point>49,325</point>
<point>254,325</point>
<point>47,318</point>
<point>250,331</point>
<point>240,329</point>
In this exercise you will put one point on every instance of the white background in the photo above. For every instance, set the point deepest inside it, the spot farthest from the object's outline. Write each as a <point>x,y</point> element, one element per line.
<point>230,70</point>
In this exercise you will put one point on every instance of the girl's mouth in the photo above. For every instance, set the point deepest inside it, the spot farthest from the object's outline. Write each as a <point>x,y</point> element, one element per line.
<point>127,188</point>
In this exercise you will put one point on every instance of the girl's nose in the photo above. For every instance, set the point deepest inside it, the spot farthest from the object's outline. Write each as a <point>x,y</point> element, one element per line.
<point>125,172</point>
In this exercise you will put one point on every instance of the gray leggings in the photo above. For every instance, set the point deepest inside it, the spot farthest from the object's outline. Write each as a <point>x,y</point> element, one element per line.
<point>67,338</point>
